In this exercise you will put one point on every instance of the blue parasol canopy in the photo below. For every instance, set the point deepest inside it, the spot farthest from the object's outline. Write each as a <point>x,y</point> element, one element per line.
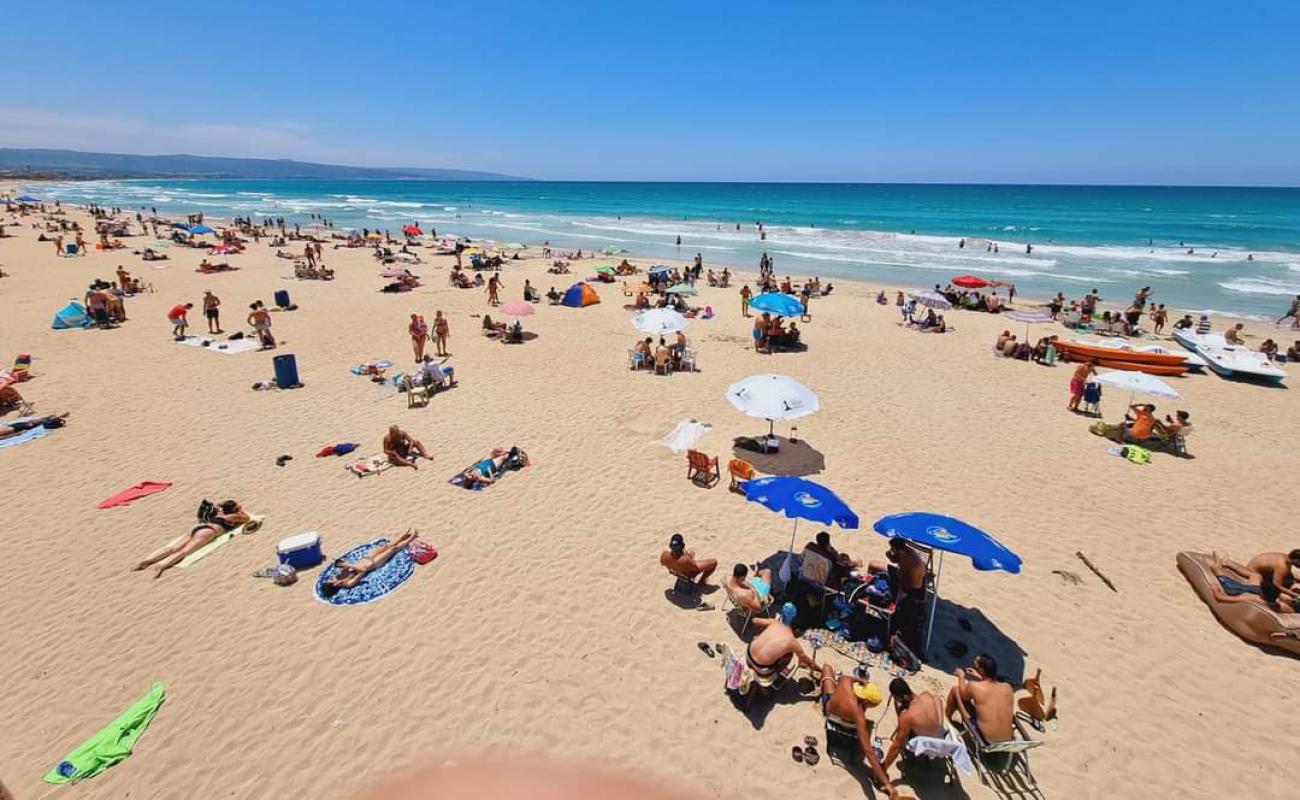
<point>201,229</point>
<point>659,269</point>
<point>800,498</point>
<point>27,198</point>
<point>782,305</point>
<point>951,536</point>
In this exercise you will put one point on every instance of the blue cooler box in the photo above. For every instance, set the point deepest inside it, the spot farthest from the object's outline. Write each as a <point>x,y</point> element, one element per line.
<point>301,551</point>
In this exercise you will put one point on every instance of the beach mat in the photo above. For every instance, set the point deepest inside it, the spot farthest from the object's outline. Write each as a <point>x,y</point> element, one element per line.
<point>209,548</point>
<point>374,585</point>
<point>110,744</point>
<point>25,436</point>
<point>370,465</point>
<point>245,345</point>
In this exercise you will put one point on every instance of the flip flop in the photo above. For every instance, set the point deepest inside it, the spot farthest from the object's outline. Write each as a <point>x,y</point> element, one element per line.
<point>706,649</point>
<point>797,754</point>
<point>265,572</point>
<point>811,741</point>
<point>810,756</point>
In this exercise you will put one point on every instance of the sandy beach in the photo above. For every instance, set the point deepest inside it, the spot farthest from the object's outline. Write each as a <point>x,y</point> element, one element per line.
<point>546,626</point>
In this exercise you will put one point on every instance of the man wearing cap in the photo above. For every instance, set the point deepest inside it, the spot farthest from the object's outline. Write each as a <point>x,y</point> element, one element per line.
<point>680,561</point>
<point>844,700</point>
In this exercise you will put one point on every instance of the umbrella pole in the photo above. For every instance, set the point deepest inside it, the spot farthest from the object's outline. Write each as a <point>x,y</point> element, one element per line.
<point>784,573</point>
<point>934,601</point>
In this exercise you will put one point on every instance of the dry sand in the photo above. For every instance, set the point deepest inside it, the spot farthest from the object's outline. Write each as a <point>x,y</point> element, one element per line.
<point>544,626</point>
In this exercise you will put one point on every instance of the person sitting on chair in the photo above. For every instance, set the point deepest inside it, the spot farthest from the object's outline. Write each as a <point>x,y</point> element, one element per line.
<point>841,562</point>
<point>988,702</point>
<point>769,653</point>
<point>844,701</point>
<point>751,594</point>
<point>918,715</point>
<point>680,561</point>
<point>435,373</point>
<point>402,449</point>
<point>225,517</point>
<point>350,573</point>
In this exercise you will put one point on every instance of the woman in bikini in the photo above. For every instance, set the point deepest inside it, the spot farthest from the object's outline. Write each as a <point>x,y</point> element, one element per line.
<point>419,335</point>
<point>441,330</point>
<point>350,573</point>
<point>229,516</point>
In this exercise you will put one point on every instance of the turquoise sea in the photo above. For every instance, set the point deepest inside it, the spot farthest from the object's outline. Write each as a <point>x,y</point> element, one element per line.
<point>1212,249</point>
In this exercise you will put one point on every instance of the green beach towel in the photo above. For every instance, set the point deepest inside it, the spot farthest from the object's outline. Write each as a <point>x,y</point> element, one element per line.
<point>113,743</point>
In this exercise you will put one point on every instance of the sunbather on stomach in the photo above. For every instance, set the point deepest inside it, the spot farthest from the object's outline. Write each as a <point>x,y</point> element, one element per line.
<point>15,428</point>
<point>229,516</point>
<point>350,573</point>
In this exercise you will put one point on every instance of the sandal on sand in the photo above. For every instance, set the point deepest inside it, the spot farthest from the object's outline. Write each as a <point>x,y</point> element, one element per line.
<point>797,754</point>
<point>266,572</point>
<point>811,741</point>
<point>704,647</point>
<point>810,756</point>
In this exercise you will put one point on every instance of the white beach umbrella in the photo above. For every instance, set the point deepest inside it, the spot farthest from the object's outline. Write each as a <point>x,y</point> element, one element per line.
<point>1138,383</point>
<point>773,398</point>
<point>659,321</point>
<point>1030,318</point>
<point>932,300</point>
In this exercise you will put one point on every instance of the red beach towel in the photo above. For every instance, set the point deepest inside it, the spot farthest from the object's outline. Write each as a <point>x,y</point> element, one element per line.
<point>125,496</point>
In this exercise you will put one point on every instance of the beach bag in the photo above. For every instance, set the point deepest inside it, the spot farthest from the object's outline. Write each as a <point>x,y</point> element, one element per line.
<point>285,575</point>
<point>207,510</point>
<point>1137,455</point>
<point>422,552</point>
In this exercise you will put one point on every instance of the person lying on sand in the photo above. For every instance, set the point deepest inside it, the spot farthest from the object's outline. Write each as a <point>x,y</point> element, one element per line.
<point>749,594</point>
<point>844,701</point>
<point>680,561</point>
<point>402,449</point>
<point>918,715</point>
<point>988,702</point>
<point>777,642</point>
<point>350,573</point>
<point>17,427</point>
<point>485,472</point>
<point>227,516</point>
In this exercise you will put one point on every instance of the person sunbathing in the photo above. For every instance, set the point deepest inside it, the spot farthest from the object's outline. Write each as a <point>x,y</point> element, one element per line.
<point>751,594</point>
<point>402,449</point>
<point>918,715</point>
<point>987,701</point>
<point>22,426</point>
<point>680,561</point>
<point>1228,590</point>
<point>349,573</point>
<point>1280,569</point>
<point>224,518</point>
<point>844,701</point>
<point>769,653</point>
<point>486,472</point>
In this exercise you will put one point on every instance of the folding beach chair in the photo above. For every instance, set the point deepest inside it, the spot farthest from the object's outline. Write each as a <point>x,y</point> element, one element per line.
<point>684,584</point>
<point>702,469</point>
<point>730,604</point>
<point>1002,766</point>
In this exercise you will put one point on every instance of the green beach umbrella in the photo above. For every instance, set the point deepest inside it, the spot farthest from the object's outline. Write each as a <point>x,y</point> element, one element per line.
<point>605,268</point>
<point>682,288</point>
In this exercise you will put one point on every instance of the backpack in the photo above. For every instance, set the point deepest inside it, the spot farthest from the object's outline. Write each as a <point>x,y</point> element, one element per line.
<point>207,511</point>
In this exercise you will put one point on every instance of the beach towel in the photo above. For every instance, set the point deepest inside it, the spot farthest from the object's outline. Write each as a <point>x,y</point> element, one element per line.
<point>372,368</point>
<point>245,345</point>
<point>373,585</point>
<point>949,747</point>
<point>142,489</point>
<point>112,743</point>
<point>685,435</point>
<point>339,449</point>
<point>209,548</point>
<point>25,436</point>
<point>370,465</point>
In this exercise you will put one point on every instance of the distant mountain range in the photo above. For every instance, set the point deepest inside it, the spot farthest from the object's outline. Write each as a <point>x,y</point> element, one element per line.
<point>39,162</point>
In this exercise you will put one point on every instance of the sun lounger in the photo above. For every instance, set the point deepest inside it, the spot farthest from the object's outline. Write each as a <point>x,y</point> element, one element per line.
<point>1250,621</point>
<point>702,469</point>
<point>1002,766</point>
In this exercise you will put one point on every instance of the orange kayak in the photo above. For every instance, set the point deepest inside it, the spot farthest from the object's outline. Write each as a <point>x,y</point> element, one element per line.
<point>1082,352</point>
<point>1150,369</point>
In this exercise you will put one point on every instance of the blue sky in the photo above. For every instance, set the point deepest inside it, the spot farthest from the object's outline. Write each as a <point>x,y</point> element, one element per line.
<point>1143,91</point>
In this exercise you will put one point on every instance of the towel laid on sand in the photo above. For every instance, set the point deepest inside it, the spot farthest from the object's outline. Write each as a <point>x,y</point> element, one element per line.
<point>112,743</point>
<point>25,436</point>
<point>373,585</point>
<point>685,435</point>
<point>370,465</point>
<point>207,549</point>
<point>141,489</point>
<point>245,345</point>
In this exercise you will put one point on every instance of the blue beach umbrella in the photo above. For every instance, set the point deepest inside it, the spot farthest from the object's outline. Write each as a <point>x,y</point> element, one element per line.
<point>799,498</point>
<point>948,535</point>
<point>659,269</point>
<point>783,305</point>
<point>27,198</point>
<point>201,229</point>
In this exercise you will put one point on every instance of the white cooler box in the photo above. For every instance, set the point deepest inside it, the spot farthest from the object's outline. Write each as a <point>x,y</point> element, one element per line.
<point>301,550</point>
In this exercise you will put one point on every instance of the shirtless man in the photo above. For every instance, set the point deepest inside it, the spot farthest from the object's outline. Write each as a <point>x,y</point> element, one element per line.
<point>770,651</point>
<point>1078,381</point>
<point>1233,335</point>
<point>918,715</point>
<point>1280,569</point>
<point>841,562</point>
<point>751,594</point>
<point>910,614</point>
<point>843,701</point>
<point>350,573</point>
<point>16,427</point>
<point>401,449</point>
<point>987,701</point>
<point>260,319</point>
<point>1267,595</point>
<point>677,559</point>
<point>229,516</point>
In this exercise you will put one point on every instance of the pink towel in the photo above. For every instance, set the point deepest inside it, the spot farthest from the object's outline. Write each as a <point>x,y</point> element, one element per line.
<point>125,496</point>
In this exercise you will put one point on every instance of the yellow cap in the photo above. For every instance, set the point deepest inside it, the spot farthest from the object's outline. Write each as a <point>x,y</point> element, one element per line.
<point>868,693</point>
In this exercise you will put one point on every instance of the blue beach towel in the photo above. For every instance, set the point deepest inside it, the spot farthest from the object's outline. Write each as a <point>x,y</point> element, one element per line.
<point>374,585</point>
<point>25,436</point>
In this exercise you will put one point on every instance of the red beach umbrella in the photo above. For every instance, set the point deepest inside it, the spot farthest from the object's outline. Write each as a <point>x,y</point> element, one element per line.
<point>412,230</point>
<point>970,282</point>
